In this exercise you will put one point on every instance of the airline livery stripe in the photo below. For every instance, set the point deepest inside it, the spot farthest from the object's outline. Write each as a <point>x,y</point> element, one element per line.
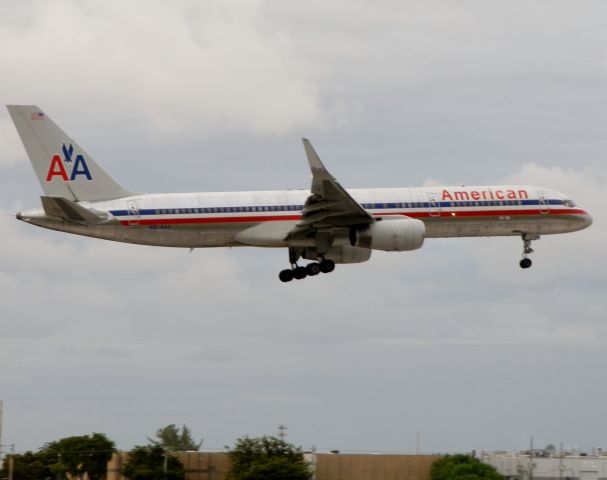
<point>275,218</point>
<point>367,206</point>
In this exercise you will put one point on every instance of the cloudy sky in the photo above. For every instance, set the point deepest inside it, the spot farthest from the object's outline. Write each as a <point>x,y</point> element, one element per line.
<point>454,341</point>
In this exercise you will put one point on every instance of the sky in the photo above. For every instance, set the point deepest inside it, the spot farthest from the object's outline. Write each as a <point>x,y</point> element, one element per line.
<point>452,342</point>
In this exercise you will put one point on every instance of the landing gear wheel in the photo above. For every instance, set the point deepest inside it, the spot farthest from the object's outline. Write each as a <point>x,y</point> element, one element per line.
<point>300,273</point>
<point>286,275</point>
<point>313,269</point>
<point>525,263</point>
<point>527,239</point>
<point>327,266</point>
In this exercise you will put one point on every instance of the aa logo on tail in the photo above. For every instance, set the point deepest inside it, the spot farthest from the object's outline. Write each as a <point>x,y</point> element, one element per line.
<point>59,167</point>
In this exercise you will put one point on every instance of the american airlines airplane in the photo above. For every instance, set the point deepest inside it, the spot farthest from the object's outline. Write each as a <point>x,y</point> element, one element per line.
<point>327,224</point>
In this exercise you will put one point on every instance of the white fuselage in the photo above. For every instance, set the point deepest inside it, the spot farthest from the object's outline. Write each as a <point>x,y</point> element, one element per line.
<point>197,220</point>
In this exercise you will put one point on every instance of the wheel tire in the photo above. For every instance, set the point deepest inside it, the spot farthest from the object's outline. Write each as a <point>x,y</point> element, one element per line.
<point>300,273</point>
<point>525,263</point>
<point>313,269</point>
<point>286,275</point>
<point>327,266</point>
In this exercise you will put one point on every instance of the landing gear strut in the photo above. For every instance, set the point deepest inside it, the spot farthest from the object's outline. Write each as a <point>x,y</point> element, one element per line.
<point>527,239</point>
<point>310,270</point>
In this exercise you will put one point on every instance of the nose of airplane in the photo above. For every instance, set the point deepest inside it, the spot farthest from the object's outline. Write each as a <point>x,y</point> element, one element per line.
<point>586,220</point>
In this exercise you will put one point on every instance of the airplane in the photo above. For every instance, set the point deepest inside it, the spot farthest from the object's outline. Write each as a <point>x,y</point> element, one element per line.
<point>326,224</point>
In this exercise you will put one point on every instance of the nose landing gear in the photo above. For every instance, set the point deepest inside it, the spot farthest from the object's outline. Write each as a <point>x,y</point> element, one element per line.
<point>527,239</point>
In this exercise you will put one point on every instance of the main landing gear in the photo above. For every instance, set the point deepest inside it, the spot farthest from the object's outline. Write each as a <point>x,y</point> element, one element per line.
<point>527,238</point>
<point>311,269</point>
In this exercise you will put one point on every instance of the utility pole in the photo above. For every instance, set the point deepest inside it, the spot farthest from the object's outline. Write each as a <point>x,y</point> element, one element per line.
<point>282,432</point>
<point>561,467</point>
<point>417,443</point>
<point>11,462</point>
<point>1,446</point>
<point>531,458</point>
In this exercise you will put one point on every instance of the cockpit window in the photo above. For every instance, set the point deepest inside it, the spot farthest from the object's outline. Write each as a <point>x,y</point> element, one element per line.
<point>569,203</point>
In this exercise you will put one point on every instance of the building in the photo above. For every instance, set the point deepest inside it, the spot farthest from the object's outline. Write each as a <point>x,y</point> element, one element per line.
<point>326,466</point>
<point>542,467</point>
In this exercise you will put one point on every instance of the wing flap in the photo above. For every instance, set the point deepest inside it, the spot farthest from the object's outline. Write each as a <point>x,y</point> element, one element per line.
<point>329,205</point>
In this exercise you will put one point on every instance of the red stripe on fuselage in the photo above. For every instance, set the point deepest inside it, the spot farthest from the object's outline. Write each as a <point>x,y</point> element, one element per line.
<point>135,221</point>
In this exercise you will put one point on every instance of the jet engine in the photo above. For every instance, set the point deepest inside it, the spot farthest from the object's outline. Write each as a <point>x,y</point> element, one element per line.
<point>390,235</point>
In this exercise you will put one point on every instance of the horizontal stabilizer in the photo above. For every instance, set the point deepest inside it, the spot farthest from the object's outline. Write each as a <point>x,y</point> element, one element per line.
<point>71,211</point>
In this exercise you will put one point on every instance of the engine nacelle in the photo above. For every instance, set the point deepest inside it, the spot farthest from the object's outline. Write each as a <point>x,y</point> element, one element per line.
<point>390,235</point>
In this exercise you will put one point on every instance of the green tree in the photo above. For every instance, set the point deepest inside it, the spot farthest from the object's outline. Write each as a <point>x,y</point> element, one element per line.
<point>462,467</point>
<point>267,458</point>
<point>79,455</point>
<point>174,440</point>
<point>29,466</point>
<point>149,462</point>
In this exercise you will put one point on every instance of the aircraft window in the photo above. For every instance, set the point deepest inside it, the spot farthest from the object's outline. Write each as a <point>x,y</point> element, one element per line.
<point>569,203</point>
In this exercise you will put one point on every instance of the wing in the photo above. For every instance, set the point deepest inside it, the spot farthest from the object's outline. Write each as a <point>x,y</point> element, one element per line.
<point>329,206</point>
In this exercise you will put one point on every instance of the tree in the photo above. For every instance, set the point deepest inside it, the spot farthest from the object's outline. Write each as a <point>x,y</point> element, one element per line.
<point>172,439</point>
<point>462,467</point>
<point>72,455</point>
<point>550,449</point>
<point>150,462</point>
<point>267,458</point>
<point>29,466</point>
<point>79,455</point>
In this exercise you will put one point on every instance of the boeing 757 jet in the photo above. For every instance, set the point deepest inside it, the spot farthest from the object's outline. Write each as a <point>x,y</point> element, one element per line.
<point>326,225</point>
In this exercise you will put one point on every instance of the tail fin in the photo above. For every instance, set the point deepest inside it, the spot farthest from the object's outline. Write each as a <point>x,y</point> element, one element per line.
<point>63,168</point>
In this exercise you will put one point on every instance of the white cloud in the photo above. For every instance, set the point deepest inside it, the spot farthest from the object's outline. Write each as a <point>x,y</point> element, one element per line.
<point>183,66</point>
